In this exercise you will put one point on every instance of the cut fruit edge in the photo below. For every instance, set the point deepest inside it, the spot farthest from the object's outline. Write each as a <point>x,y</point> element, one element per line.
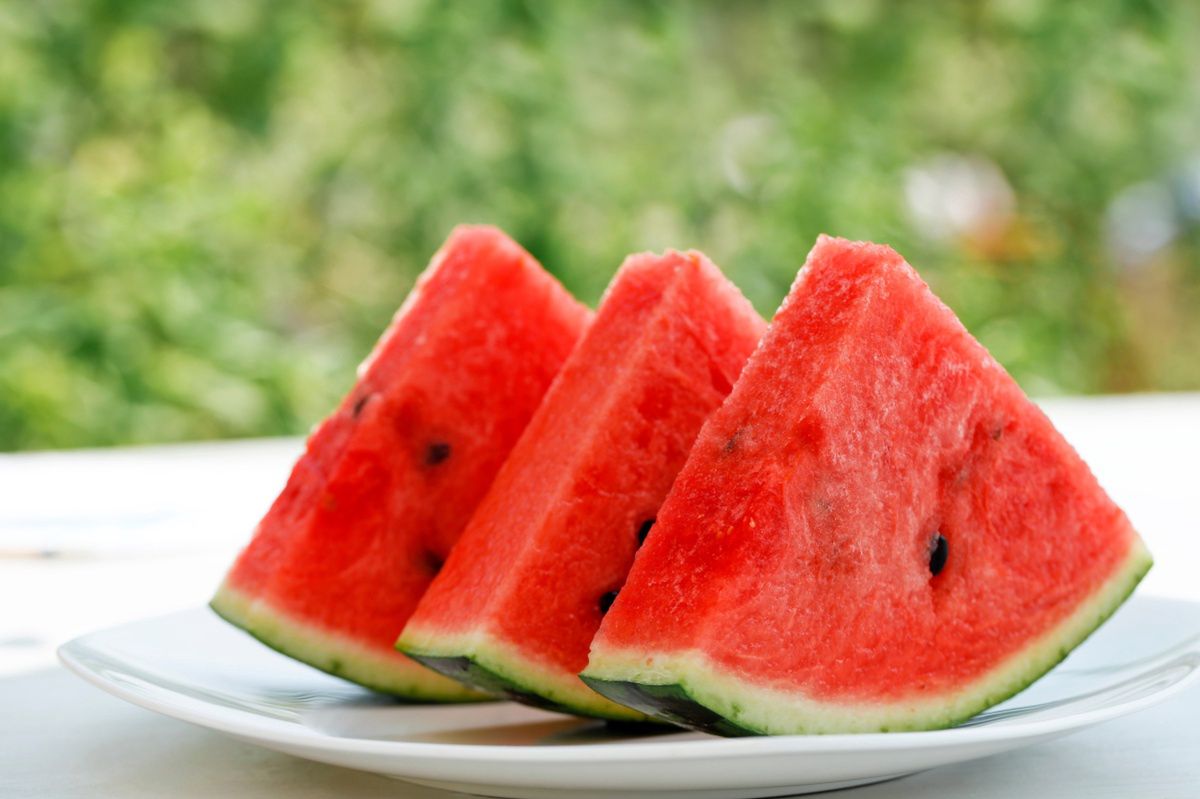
<point>337,654</point>
<point>687,688</point>
<point>480,661</point>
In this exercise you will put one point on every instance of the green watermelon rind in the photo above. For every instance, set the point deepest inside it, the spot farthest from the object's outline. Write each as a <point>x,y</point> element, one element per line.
<point>335,654</point>
<point>685,689</point>
<point>470,673</point>
<point>484,664</point>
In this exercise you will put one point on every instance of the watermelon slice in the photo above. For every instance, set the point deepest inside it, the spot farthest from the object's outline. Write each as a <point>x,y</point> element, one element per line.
<point>388,482</point>
<point>876,531</point>
<point>522,594</point>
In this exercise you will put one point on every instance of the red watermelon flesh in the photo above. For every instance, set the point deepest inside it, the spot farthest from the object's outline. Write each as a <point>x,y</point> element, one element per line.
<point>517,604</point>
<point>389,480</point>
<point>876,531</point>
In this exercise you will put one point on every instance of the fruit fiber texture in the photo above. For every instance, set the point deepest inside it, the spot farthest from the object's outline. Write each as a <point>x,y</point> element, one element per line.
<point>388,481</point>
<point>876,531</point>
<point>516,606</point>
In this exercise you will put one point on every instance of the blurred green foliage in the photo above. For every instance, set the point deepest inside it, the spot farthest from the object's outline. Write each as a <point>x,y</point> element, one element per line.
<point>209,209</point>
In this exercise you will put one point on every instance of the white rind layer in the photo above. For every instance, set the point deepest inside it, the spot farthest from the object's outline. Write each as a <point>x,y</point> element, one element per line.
<point>525,674</point>
<point>774,711</point>
<point>335,654</point>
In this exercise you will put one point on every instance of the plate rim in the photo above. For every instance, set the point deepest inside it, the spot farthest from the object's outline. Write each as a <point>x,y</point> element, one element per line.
<point>245,724</point>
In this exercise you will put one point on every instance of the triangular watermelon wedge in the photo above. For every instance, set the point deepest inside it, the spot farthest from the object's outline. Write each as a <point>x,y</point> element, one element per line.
<point>522,594</point>
<point>389,480</point>
<point>876,531</point>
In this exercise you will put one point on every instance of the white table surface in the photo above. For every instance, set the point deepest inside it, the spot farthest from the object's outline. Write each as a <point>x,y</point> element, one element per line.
<point>142,531</point>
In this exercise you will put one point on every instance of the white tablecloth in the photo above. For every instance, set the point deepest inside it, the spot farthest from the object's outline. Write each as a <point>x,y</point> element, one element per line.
<point>143,531</point>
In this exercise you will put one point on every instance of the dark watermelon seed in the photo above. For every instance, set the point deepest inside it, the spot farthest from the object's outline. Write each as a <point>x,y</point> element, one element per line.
<point>433,562</point>
<point>607,600</point>
<point>360,404</point>
<point>939,550</point>
<point>644,530</point>
<point>436,453</point>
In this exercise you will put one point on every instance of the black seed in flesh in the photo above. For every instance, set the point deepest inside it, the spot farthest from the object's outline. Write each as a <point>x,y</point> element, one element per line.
<point>433,562</point>
<point>360,404</point>
<point>607,600</point>
<point>644,530</point>
<point>436,453</point>
<point>939,550</point>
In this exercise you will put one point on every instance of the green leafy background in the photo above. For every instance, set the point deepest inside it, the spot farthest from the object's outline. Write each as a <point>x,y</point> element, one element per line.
<point>209,209</point>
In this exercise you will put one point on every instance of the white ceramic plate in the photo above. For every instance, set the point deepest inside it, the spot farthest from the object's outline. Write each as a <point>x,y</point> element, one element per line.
<point>194,667</point>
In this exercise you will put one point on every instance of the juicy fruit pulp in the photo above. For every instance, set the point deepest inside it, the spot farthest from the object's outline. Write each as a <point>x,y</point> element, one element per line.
<point>876,531</point>
<point>389,480</point>
<point>517,603</point>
